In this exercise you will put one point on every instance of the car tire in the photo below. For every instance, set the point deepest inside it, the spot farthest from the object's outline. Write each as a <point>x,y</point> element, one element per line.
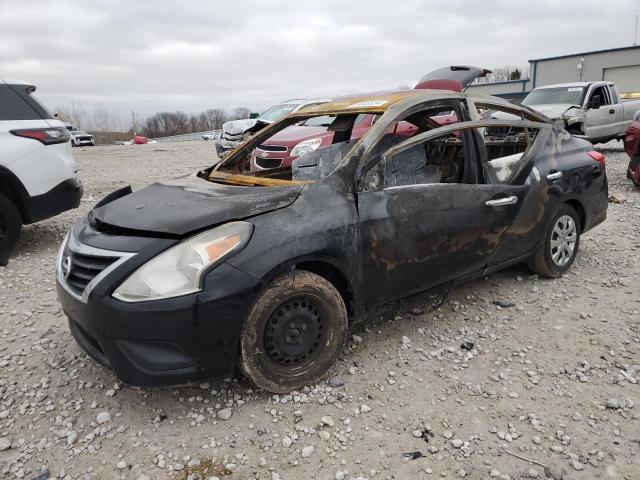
<point>560,243</point>
<point>294,332</point>
<point>10,227</point>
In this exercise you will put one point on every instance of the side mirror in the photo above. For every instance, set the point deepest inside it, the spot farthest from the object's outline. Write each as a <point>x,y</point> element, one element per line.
<point>595,102</point>
<point>253,115</point>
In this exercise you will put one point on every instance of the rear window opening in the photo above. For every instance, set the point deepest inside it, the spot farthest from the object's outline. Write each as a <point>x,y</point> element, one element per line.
<point>17,102</point>
<point>506,147</point>
<point>304,149</point>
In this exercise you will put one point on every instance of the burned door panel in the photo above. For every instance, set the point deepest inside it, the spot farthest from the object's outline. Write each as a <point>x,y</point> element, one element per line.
<point>417,237</point>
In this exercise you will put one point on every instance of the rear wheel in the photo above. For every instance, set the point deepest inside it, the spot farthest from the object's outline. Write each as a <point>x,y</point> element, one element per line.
<point>294,332</point>
<point>559,246</point>
<point>10,227</point>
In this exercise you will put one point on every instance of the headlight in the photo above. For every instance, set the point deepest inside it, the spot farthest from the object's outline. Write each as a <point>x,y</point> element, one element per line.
<point>178,270</point>
<point>305,147</point>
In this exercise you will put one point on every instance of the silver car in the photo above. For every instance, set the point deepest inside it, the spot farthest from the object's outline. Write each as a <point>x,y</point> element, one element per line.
<point>235,131</point>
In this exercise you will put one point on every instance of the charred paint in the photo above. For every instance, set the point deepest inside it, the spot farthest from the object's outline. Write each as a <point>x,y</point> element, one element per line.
<point>384,242</point>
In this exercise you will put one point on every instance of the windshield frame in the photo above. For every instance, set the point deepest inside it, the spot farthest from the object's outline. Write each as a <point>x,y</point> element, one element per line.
<point>277,109</point>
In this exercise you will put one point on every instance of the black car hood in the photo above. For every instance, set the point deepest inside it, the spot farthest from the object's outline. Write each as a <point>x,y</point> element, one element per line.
<point>188,204</point>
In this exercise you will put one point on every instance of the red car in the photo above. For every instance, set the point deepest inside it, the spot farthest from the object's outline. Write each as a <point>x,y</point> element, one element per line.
<point>284,147</point>
<point>632,146</point>
<point>292,142</point>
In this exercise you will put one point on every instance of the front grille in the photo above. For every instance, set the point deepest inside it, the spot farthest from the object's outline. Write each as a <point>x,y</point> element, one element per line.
<point>83,268</point>
<point>268,162</point>
<point>231,137</point>
<point>85,139</point>
<point>272,148</point>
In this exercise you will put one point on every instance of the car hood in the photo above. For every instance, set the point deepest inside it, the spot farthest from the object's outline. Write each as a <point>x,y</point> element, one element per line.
<point>236,127</point>
<point>188,204</point>
<point>552,111</point>
<point>297,133</point>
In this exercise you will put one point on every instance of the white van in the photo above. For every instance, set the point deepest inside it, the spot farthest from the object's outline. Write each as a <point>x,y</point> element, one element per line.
<point>37,171</point>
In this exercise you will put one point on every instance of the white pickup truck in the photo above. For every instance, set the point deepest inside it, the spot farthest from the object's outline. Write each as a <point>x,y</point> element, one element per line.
<point>592,110</point>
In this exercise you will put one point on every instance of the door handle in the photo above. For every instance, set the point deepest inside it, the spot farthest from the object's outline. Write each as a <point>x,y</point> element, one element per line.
<point>498,202</point>
<point>554,176</point>
<point>612,111</point>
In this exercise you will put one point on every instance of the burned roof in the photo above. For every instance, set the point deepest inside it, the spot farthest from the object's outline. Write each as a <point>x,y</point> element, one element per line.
<point>380,102</point>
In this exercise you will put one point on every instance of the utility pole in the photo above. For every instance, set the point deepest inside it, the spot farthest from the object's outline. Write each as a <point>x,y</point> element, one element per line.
<point>133,121</point>
<point>635,37</point>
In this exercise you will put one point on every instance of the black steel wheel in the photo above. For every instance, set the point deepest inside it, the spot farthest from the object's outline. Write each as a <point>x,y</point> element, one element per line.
<point>293,333</point>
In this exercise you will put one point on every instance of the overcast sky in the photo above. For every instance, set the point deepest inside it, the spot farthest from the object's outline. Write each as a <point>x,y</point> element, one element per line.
<point>193,55</point>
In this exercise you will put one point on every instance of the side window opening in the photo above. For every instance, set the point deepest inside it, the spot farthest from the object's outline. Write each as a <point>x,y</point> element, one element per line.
<point>603,93</point>
<point>506,147</point>
<point>16,106</point>
<point>440,160</point>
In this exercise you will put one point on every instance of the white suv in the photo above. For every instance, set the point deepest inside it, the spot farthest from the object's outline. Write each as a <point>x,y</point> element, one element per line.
<point>37,171</point>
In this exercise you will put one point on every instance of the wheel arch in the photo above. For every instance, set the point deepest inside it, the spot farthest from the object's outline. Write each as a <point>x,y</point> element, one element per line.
<point>326,267</point>
<point>12,187</point>
<point>580,210</point>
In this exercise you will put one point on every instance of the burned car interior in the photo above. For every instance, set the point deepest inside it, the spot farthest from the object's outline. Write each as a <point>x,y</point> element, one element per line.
<point>448,158</point>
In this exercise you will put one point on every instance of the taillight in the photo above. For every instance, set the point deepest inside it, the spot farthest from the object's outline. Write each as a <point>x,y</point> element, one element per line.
<point>597,156</point>
<point>47,136</point>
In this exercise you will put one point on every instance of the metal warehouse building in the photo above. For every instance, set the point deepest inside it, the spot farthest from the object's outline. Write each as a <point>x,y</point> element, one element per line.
<point>620,65</point>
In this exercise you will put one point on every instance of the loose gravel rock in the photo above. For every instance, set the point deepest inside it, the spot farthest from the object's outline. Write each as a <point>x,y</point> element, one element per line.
<point>549,371</point>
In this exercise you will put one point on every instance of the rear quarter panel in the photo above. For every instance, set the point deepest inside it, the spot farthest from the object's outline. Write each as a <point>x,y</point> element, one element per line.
<point>584,181</point>
<point>13,148</point>
<point>632,139</point>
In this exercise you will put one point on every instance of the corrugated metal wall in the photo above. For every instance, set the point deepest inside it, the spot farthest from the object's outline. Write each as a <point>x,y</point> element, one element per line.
<point>627,78</point>
<point>621,66</point>
<point>563,70</point>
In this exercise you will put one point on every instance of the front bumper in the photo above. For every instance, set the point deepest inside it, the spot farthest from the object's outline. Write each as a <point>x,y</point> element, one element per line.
<point>60,198</point>
<point>162,342</point>
<point>223,146</point>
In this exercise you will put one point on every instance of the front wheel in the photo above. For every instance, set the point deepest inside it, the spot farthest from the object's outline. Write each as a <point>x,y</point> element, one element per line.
<point>294,332</point>
<point>559,246</point>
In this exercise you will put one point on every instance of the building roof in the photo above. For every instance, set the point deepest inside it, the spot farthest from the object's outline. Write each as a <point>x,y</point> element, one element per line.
<point>619,49</point>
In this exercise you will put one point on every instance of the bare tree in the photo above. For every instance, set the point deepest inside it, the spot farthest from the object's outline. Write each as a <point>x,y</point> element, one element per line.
<point>240,113</point>
<point>505,73</point>
<point>215,118</point>
<point>62,112</point>
<point>77,113</point>
<point>161,124</point>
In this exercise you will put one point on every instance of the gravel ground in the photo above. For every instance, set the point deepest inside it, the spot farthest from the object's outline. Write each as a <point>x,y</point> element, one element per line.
<point>510,368</point>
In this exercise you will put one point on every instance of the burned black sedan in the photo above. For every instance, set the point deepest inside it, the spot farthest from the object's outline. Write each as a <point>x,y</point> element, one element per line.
<point>265,270</point>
